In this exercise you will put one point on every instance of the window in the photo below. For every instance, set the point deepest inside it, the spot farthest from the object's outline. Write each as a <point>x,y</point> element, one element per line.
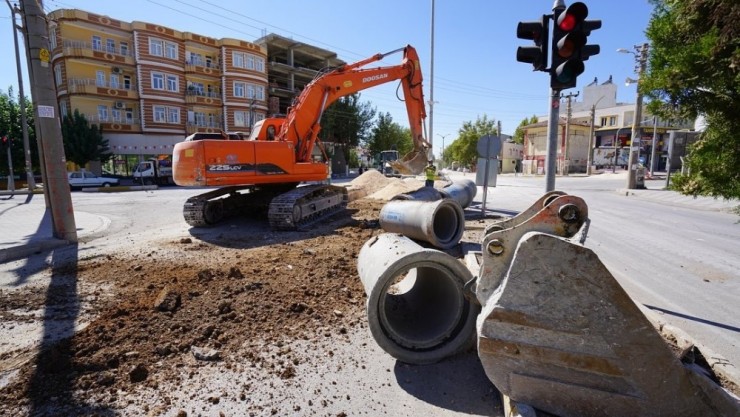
<point>199,119</point>
<point>158,114</point>
<point>173,115</point>
<point>259,64</point>
<point>241,118</point>
<point>156,47</point>
<point>127,82</point>
<point>250,62</point>
<point>238,59</point>
<point>124,48</point>
<point>170,50</point>
<point>53,37</point>
<point>603,121</point>
<point>172,83</point>
<point>195,88</point>
<point>157,81</point>
<point>239,88</point>
<point>100,78</point>
<point>260,93</point>
<point>613,121</point>
<point>110,46</point>
<point>58,74</point>
<point>63,109</point>
<point>97,43</point>
<point>114,81</point>
<point>164,114</point>
<point>129,116</point>
<point>116,115</point>
<point>102,113</point>
<point>250,91</point>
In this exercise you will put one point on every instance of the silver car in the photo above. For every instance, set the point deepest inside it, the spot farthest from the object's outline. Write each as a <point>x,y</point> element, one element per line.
<point>82,179</point>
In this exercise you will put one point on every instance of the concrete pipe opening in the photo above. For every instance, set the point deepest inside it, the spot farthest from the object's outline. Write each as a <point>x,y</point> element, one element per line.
<point>446,225</point>
<point>417,310</point>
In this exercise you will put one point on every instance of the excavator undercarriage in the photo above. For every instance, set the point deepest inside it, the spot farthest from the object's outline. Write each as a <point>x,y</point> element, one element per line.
<point>287,207</point>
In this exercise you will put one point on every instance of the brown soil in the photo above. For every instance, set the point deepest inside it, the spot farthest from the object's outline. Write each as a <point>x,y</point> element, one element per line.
<point>190,301</point>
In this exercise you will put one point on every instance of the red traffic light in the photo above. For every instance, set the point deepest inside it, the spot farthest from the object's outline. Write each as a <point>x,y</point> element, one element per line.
<point>571,17</point>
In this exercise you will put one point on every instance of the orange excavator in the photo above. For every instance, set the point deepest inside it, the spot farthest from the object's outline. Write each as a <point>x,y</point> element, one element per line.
<point>265,169</point>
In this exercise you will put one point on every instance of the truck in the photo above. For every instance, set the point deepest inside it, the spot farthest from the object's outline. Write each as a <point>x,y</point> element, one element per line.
<point>154,171</point>
<point>265,170</point>
<point>386,159</point>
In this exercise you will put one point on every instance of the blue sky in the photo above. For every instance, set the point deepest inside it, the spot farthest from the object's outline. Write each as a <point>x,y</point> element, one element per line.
<point>475,67</point>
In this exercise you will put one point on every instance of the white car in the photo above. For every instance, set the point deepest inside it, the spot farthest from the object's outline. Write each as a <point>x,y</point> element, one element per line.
<point>82,179</point>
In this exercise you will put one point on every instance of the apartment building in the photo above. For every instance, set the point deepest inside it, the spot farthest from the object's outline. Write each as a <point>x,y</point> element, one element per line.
<point>149,86</point>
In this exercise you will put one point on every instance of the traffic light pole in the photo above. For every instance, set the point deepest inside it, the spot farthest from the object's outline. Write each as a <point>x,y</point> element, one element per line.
<point>47,120</point>
<point>552,140</point>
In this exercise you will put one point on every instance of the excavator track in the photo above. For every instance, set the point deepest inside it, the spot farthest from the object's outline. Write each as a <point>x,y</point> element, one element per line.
<point>210,208</point>
<point>299,208</point>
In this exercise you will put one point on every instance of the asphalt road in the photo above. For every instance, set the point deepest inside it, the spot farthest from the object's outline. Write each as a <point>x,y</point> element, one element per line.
<point>680,260</point>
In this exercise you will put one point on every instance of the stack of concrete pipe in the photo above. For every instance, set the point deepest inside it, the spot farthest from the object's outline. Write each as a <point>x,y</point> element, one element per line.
<point>417,309</point>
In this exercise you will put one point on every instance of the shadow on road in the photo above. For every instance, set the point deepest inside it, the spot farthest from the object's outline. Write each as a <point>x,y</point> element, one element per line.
<point>697,319</point>
<point>52,383</point>
<point>458,384</point>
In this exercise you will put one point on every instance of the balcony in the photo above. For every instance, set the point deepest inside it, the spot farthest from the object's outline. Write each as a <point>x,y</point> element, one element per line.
<point>205,98</point>
<point>193,127</point>
<point>201,66</point>
<point>113,124</point>
<point>101,88</point>
<point>103,53</point>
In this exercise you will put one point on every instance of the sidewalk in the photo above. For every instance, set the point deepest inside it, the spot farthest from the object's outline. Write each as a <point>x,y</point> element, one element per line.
<point>26,229</point>
<point>673,198</point>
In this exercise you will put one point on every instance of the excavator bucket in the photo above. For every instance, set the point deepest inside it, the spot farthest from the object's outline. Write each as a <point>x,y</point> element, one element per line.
<point>412,163</point>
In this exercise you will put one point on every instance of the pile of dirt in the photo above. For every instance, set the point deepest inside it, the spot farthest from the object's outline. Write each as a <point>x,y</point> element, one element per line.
<point>374,185</point>
<point>190,302</point>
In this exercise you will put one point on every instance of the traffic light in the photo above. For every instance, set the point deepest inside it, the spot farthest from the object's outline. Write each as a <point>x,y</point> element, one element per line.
<point>569,48</point>
<point>539,33</point>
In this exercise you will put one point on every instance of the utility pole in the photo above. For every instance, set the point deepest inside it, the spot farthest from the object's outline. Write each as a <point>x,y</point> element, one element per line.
<point>22,102</point>
<point>590,159</point>
<point>635,146</point>
<point>47,120</point>
<point>431,91</point>
<point>566,148</point>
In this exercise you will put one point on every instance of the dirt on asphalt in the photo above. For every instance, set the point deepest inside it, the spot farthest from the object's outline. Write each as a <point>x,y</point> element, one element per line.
<point>240,298</point>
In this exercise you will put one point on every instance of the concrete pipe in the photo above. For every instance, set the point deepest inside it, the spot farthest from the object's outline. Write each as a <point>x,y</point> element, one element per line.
<point>422,194</point>
<point>462,191</point>
<point>416,308</point>
<point>440,222</point>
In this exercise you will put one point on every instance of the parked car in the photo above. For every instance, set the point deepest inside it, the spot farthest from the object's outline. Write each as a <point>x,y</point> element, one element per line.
<point>82,179</point>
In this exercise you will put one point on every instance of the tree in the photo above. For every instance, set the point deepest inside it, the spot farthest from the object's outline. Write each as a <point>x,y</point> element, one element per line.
<point>347,122</point>
<point>694,69</point>
<point>519,132</point>
<point>464,148</point>
<point>10,126</point>
<point>83,142</point>
<point>388,135</point>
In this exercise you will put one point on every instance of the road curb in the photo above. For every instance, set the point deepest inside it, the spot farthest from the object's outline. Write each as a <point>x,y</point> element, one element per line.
<point>119,188</point>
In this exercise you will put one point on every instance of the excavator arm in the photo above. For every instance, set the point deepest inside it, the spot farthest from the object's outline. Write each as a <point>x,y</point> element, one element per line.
<point>303,122</point>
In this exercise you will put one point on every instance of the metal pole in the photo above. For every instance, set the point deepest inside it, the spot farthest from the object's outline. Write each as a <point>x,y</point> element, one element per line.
<point>635,145</point>
<point>431,89</point>
<point>22,102</point>
<point>616,138</point>
<point>652,147</point>
<point>552,140</point>
<point>47,119</point>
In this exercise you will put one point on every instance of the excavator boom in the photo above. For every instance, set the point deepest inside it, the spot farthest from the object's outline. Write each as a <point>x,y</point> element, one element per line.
<point>303,123</point>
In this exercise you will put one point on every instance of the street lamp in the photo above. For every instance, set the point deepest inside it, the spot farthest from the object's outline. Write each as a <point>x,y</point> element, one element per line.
<point>641,55</point>
<point>442,152</point>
